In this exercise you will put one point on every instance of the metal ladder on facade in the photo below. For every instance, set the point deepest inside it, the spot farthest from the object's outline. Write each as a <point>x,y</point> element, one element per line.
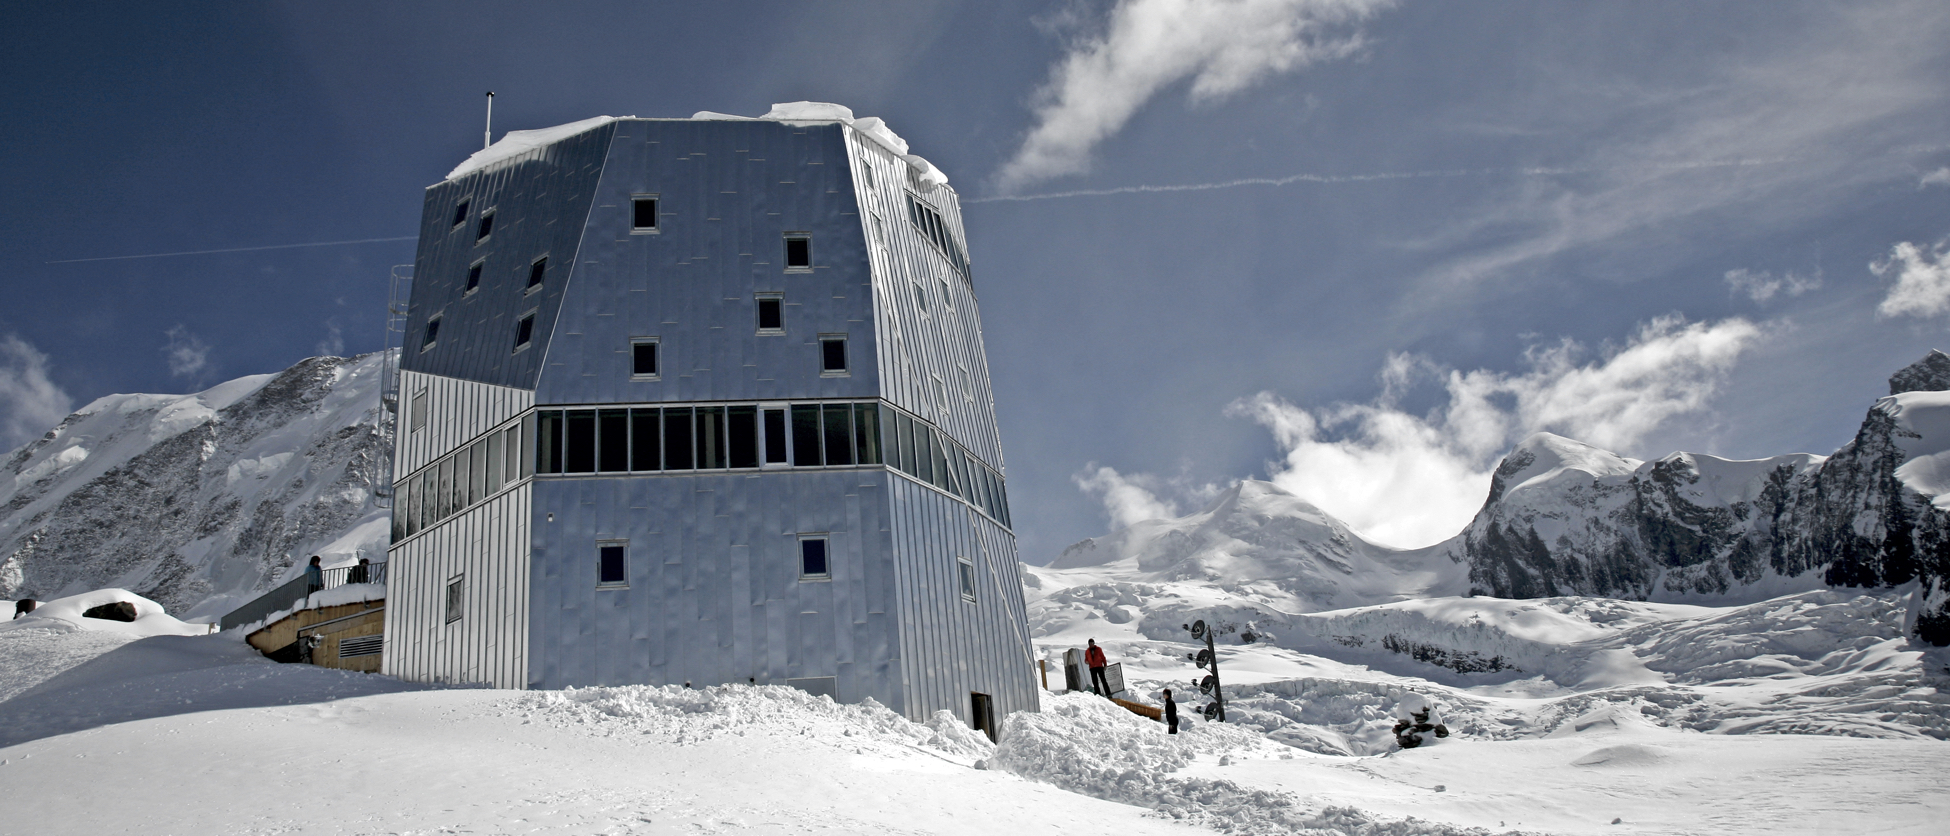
<point>398,298</point>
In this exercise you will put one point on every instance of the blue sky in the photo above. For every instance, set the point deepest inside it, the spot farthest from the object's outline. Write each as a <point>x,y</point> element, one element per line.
<point>1714,227</point>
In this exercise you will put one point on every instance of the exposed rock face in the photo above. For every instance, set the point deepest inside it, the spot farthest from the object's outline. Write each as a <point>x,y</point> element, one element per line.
<point>198,501</point>
<point>1563,518</point>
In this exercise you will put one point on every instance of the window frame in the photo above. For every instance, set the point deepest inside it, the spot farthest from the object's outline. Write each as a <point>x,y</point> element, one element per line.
<point>416,411</point>
<point>965,569</point>
<point>472,284</point>
<point>456,597</point>
<point>462,211</point>
<point>825,540</point>
<point>656,214</point>
<point>430,333</point>
<point>758,313</point>
<point>484,228</point>
<point>601,545</point>
<point>534,284</point>
<point>786,242</point>
<point>527,319</point>
<point>657,353</point>
<point>846,360</point>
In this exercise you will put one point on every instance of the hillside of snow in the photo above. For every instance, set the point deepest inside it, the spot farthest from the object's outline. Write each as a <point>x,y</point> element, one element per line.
<point>198,501</point>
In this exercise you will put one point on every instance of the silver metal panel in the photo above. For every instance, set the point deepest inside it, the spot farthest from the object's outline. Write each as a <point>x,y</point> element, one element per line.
<point>487,548</point>
<point>458,412</point>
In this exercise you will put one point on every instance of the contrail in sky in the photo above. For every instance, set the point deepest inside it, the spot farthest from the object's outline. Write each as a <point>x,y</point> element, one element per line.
<point>1361,178</point>
<point>236,250</point>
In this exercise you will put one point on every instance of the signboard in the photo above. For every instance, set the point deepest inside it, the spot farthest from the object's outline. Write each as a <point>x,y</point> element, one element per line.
<point>1114,677</point>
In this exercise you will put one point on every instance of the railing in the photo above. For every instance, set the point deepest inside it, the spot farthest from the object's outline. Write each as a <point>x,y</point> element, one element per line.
<point>293,593</point>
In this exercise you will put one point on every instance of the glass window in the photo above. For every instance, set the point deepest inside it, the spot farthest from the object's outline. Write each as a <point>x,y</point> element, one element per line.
<point>798,252</point>
<point>967,578</point>
<point>920,296</point>
<point>474,276</point>
<point>771,314</point>
<point>805,437</point>
<point>579,441</point>
<point>832,354</point>
<point>613,440</point>
<point>741,425</point>
<point>643,213</point>
<point>477,472</point>
<point>454,601</point>
<point>643,357</point>
<point>432,333</point>
<point>443,491</point>
<point>486,228</point>
<point>399,511</point>
<point>496,477</point>
<point>537,272</point>
<point>612,564</point>
<point>677,438</point>
<point>710,437</point>
<point>460,213</point>
<point>812,558</point>
<point>937,460</point>
<point>646,447</point>
<point>837,421</point>
<point>904,442</point>
<point>419,410</point>
<point>515,435</point>
<point>463,477</point>
<point>775,436</point>
<point>866,432</point>
<point>410,503</point>
<point>524,330</point>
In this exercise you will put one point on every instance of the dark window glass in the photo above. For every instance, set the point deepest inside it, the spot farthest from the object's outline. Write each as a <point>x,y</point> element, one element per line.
<point>967,580</point>
<point>921,297</point>
<point>526,430</point>
<point>710,437</point>
<point>771,314</point>
<point>611,567</point>
<point>443,491</point>
<point>460,213</point>
<point>433,333</point>
<point>457,502</point>
<point>454,602</point>
<point>866,432</point>
<point>496,477</point>
<point>474,276</point>
<point>613,440</point>
<point>775,436</point>
<point>643,359</point>
<point>741,424</point>
<point>524,330</point>
<point>904,443</point>
<point>798,251</point>
<point>832,354</point>
<point>412,504</point>
<point>812,558</point>
<point>579,442</point>
<point>937,460</point>
<point>399,511</point>
<point>537,272</point>
<point>838,424</point>
<point>805,436</point>
<point>645,445</point>
<point>476,472</point>
<point>677,438</point>
<point>643,213</point>
<point>487,225</point>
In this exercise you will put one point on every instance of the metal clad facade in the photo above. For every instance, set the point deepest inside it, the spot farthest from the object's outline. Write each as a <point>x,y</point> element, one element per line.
<point>485,549</point>
<point>458,411</point>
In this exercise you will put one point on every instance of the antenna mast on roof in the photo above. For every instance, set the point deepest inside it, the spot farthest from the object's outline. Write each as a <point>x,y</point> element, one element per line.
<point>487,136</point>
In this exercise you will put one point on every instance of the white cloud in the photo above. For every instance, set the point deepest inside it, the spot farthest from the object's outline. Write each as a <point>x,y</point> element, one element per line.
<point>334,343</point>
<point>1126,500</point>
<point>1761,286</point>
<point>30,403</point>
<point>187,354</point>
<point>1412,480</point>
<point>1223,46</point>
<point>1922,280</point>
<point>1939,177</point>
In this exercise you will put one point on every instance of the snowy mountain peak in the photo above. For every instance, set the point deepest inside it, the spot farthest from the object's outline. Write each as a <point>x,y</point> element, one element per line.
<point>1545,457</point>
<point>1930,374</point>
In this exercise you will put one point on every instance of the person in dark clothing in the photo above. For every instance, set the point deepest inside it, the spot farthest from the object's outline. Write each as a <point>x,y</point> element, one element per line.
<point>314,576</point>
<point>1094,657</point>
<point>1171,713</point>
<point>359,573</point>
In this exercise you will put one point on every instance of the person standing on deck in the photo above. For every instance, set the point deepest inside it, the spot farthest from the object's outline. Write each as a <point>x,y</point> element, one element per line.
<point>1094,657</point>
<point>314,576</point>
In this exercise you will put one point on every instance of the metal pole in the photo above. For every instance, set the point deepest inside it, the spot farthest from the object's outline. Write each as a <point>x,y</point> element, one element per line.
<point>487,136</point>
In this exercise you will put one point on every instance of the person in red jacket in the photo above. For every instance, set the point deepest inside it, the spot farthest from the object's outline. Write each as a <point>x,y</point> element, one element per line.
<point>1094,657</point>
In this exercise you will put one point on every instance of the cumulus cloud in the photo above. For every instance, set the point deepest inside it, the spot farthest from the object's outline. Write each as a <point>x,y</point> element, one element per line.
<point>1223,46</point>
<point>334,343</point>
<point>1939,177</point>
<point>30,403</point>
<point>1126,500</point>
<point>187,354</point>
<point>1411,480</point>
<point>1762,286</point>
<point>1922,280</point>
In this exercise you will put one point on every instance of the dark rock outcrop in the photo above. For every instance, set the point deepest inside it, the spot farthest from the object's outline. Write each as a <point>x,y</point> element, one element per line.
<point>118,611</point>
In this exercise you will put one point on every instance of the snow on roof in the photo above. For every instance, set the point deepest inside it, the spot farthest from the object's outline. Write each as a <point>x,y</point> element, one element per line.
<point>517,144</point>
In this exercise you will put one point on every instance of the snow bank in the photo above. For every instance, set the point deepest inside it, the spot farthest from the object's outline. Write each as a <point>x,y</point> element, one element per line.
<point>1926,447</point>
<point>65,615</point>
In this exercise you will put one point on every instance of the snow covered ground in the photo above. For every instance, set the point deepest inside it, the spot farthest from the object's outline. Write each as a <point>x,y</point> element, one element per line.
<point>1806,714</point>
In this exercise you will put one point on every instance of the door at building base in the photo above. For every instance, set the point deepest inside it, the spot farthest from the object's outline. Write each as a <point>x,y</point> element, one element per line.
<point>982,714</point>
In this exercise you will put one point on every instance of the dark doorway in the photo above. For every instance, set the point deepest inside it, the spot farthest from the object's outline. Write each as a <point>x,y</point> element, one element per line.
<point>982,714</point>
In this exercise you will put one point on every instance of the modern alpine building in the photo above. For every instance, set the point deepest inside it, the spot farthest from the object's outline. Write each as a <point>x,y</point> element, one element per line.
<point>703,401</point>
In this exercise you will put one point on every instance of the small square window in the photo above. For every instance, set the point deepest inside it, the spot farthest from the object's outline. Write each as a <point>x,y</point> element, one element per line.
<point>455,602</point>
<point>921,297</point>
<point>486,228</point>
<point>613,564</point>
<point>967,578</point>
<point>812,558</point>
<point>771,314</point>
<point>460,213</point>
<point>832,354</point>
<point>537,272</point>
<point>432,333</point>
<point>417,416</point>
<point>866,172</point>
<point>643,358</point>
<point>798,251</point>
<point>643,213</point>
<point>474,276</point>
<point>524,330</point>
